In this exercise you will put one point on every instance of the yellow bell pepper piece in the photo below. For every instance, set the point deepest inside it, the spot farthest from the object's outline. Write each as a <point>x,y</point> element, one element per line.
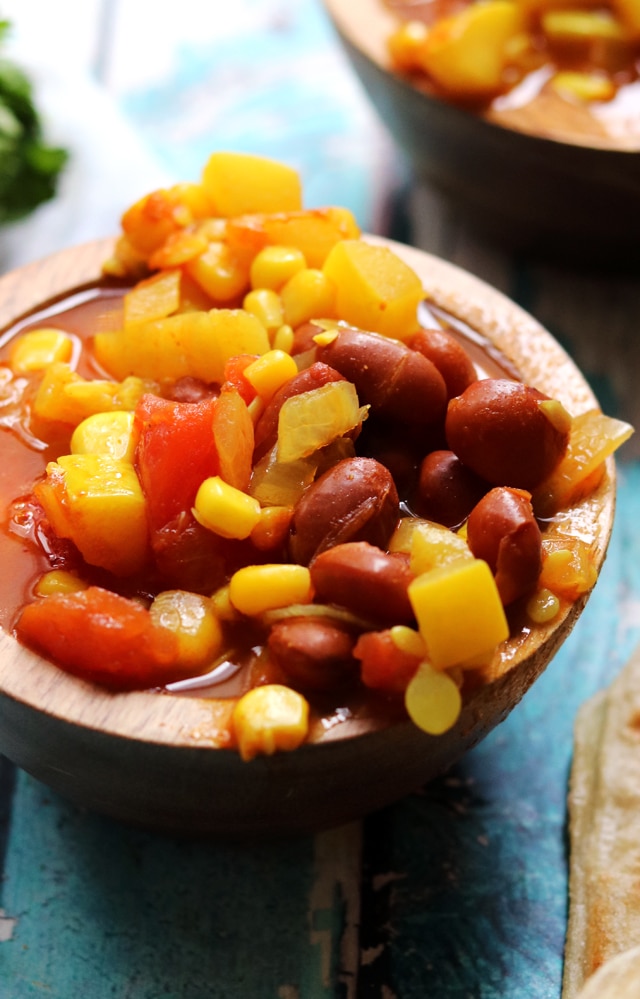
<point>97,502</point>
<point>459,612</point>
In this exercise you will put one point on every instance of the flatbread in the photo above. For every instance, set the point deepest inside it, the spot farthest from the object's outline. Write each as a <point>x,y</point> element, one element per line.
<point>619,978</point>
<point>604,830</point>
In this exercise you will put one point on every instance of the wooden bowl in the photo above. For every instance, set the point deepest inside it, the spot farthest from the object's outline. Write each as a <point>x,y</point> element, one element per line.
<point>546,179</point>
<point>153,759</point>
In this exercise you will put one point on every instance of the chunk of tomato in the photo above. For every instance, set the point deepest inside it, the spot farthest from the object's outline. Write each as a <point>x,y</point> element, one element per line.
<point>102,637</point>
<point>175,452</point>
<point>383,666</point>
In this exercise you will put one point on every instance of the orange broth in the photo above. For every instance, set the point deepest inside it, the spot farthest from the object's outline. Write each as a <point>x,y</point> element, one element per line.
<point>25,455</point>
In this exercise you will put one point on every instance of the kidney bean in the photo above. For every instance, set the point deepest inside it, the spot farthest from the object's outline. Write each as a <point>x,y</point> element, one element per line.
<point>365,580</point>
<point>449,356</point>
<point>314,653</point>
<point>503,531</point>
<point>190,389</point>
<point>266,430</point>
<point>498,428</point>
<point>447,489</point>
<point>395,381</point>
<point>303,337</point>
<point>355,500</point>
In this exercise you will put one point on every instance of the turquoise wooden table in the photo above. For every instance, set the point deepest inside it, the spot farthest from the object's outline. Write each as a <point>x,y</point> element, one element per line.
<point>460,890</point>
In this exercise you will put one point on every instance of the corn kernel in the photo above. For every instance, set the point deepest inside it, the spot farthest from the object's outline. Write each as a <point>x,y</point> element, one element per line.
<point>408,640</point>
<point>309,294</point>
<point>580,26</point>
<point>59,581</point>
<point>283,339</point>
<point>222,606</point>
<point>542,606</point>
<point>105,433</point>
<point>584,86</point>
<point>219,272</point>
<point>255,589</point>
<point>225,510</point>
<point>459,611</point>
<point>37,349</point>
<point>269,718</point>
<point>269,372</point>
<point>266,306</point>
<point>192,618</point>
<point>273,266</point>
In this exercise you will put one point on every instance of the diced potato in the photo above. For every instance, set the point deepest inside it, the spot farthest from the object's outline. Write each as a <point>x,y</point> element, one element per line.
<point>39,348</point>
<point>466,54</point>
<point>192,343</point>
<point>105,433</point>
<point>375,289</point>
<point>459,612</point>
<point>241,183</point>
<point>97,502</point>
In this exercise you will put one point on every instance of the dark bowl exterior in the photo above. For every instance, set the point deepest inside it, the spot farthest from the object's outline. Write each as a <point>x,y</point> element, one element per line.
<point>534,195</point>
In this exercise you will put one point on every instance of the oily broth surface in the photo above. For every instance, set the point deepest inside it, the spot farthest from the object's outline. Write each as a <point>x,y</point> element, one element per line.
<point>25,456</point>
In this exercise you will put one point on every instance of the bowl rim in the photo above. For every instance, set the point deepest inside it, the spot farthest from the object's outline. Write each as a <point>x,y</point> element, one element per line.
<point>198,723</point>
<point>366,46</point>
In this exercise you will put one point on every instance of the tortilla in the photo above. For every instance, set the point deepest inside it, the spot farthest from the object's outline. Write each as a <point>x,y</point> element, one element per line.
<point>619,978</point>
<point>604,830</point>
